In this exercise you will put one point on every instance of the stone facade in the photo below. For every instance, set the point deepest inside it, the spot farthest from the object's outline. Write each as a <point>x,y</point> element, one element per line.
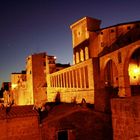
<point>18,90</point>
<point>73,83</point>
<point>36,81</point>
<point>105,65</point>
<point>111,71</point>
<point>19,123</point>
<point>126,118</point>
<point>74,122</point>
<point>29,87</point>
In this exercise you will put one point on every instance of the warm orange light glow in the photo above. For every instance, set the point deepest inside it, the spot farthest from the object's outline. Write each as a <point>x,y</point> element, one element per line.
<point>134,73</point>
<point>134,70</point>
<point>14,86</point>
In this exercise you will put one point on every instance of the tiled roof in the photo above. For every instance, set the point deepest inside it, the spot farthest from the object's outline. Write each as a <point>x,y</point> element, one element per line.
<point>17,111</point>
<point>62,110</point>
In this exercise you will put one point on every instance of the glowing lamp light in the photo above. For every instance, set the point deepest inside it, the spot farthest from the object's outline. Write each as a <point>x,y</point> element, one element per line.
<point>14,86</point>
<point>136,71</point>
<point>55,57</point>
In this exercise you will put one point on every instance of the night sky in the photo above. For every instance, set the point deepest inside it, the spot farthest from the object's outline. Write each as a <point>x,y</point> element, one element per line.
<point>32,26</point>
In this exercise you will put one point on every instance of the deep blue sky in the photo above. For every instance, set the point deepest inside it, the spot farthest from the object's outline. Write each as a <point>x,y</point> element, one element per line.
<point>31,26</point>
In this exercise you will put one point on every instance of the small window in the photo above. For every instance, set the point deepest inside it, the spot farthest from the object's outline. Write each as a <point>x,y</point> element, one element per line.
<point>101,33</point>
<point>30,72</point>
<point>79,33</point>
<point>62,135</point>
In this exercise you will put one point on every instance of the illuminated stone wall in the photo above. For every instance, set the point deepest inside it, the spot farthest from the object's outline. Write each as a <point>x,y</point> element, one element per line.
<point>18,91</point>
<point>81,34</point>
<point>73,83</point>
<point>113,47</point>
<point>29,75</point>
<point>126,118</point>
<point>19,123</point>
<point>36,73</point>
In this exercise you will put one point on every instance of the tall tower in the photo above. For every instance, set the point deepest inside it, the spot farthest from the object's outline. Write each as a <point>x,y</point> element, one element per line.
<point>81,37</point>
<point>36,78</point>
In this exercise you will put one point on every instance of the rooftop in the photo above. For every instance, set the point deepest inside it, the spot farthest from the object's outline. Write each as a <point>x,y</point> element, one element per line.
<point>17,111</point>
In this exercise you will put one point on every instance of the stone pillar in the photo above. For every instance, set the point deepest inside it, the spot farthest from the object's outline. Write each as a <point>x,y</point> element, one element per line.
<point>124,83</point>
<point>54,81</point>
<point>124,86</point>
<point>64,78</point>
<point>74,78</point>
<point>80,74</point>
<point>67,80</point>
<point>76,82</point>
<point>84,77</point>
<point>69,73</point>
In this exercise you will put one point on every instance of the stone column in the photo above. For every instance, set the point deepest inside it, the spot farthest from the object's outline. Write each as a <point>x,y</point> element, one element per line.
<point>69,73</point>
<point>64,79</point>
<point>84,77</point>
<point>124,83</point>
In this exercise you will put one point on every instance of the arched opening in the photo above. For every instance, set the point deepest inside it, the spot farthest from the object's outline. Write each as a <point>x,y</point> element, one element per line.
<point>86,53</point>
<point>134,72</point>
<point>111,78</point>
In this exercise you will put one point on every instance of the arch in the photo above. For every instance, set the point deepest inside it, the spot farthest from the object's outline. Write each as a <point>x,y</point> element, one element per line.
<point>77,57</point>
<point>131,50</point>
<point>111,74</point>
<point>134,71</point>
<point>86,53</point>
<point>81,55</point>
<point>128,57</point>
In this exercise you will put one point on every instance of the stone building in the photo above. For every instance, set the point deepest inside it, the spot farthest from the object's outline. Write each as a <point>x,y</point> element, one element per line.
<point>29,86</point>
<point>105,64</point>
<point>18,88</point>
<point>36,81</point>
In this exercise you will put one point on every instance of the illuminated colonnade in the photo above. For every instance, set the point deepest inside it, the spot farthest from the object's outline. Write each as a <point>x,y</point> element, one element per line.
<point>73,82</point>
<point>75,78</point>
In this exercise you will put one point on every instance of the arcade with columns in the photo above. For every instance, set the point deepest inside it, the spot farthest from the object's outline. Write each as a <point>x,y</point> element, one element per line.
<point>105,64</point>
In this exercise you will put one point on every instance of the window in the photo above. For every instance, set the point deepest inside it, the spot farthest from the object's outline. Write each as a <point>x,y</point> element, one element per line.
<point>62,135</point>
<point>86,53</point>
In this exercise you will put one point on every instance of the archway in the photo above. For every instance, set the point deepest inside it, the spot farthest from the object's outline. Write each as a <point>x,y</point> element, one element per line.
<point>111,78</point>
<point>134,72</point>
